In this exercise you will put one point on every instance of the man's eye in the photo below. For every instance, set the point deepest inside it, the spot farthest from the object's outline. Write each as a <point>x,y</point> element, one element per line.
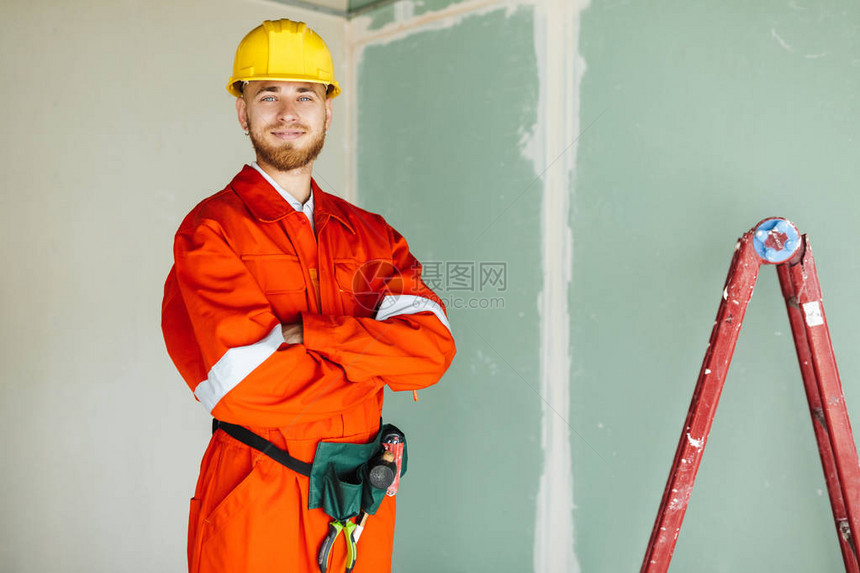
<point>268,98</point>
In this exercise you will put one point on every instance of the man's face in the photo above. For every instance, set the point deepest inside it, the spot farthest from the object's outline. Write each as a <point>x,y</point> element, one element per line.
<point>286,121</point>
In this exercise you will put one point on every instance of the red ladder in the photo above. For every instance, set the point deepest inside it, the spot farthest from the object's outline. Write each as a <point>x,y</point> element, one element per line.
<point>773,241</point>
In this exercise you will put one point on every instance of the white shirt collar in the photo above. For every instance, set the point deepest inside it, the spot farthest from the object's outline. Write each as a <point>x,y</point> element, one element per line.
<point>307,208</point>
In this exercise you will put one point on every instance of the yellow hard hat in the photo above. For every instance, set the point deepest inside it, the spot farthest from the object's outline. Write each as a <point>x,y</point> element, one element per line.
<point>282,50</point>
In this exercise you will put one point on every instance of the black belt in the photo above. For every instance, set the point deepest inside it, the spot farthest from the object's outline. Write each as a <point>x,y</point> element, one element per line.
<point>263,446</point>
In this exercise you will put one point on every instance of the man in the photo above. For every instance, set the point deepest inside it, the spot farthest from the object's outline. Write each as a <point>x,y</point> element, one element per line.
<point>287,312</point>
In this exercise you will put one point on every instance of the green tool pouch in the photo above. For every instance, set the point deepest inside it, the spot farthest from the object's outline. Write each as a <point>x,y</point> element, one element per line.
<point>339,481</point>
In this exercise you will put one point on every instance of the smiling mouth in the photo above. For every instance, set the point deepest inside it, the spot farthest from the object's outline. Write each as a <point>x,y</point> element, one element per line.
<point>288,133</point>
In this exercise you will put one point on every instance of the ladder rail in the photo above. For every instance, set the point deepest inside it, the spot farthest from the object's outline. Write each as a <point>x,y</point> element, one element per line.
<point>816,411</point>
<point>741,279</point>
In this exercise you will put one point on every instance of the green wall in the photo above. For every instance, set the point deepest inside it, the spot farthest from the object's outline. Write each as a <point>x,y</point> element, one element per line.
<point>714,115</point>
<point>440,116</point>
<point>705,117</point>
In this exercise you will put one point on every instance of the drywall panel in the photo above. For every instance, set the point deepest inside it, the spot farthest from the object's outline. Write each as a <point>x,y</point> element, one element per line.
<point>703,119</point>
<point>442,115</point>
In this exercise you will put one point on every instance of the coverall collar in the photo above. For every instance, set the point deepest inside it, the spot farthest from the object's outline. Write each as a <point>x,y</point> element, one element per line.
<point>268,206</point>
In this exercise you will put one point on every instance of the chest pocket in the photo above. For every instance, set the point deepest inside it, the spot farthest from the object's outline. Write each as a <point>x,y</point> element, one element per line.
<point>282,280</point>
<point>363,285</point>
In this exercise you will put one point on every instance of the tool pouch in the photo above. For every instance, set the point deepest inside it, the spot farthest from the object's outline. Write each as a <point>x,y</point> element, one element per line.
<point>339,481</point>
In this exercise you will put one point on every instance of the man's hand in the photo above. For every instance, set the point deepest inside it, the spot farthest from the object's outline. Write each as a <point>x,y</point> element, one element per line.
<point>293,333</point>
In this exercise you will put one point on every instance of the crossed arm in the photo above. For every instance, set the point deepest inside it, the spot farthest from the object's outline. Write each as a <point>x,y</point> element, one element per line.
<point>247,368</point>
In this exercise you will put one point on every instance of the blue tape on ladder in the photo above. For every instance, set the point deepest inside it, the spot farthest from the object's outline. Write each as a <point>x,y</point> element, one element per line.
<point>776,240</point>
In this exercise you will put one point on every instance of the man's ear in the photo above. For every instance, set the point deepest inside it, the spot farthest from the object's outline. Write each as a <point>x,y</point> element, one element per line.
<point>328,108</point>
<point>242,113</point>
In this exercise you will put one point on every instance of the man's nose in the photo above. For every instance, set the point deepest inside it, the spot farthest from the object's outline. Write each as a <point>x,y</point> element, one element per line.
<point>287,111</point>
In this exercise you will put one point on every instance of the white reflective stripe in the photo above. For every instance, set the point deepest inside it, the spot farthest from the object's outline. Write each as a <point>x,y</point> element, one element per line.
<point>393,305</point>
<point>234,366</point>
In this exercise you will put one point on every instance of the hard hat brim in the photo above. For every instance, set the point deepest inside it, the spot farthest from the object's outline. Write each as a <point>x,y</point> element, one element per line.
<point>235,89</point>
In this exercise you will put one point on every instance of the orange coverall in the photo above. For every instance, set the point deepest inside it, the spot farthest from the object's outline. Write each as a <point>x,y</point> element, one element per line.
<point>245,263</point>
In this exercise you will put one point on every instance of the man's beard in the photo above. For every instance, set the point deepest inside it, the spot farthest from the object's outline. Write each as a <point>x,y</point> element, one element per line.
<point>287,156</point>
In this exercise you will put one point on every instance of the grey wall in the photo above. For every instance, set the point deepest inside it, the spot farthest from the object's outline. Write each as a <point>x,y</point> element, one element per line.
<point>115,123</point>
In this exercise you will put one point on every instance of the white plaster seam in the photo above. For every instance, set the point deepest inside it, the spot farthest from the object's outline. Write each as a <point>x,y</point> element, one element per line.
<point>560,70</point>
